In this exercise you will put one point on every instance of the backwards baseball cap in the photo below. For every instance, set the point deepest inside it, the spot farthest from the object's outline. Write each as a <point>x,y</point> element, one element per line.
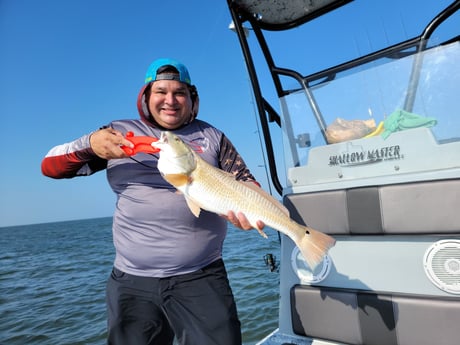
<point>155,71</point>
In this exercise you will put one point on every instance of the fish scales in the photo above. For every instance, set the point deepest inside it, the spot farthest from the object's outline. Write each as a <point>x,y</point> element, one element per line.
<point>207,187</point>
<point>230,194</point>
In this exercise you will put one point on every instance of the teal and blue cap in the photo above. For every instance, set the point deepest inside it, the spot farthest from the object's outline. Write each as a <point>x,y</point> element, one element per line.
<point>156,68</point>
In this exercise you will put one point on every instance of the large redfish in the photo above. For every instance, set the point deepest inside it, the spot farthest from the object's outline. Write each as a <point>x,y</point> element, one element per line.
<point>209,188</point>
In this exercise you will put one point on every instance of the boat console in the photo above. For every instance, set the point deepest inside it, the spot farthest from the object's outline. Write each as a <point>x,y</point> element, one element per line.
<point>367,150</point>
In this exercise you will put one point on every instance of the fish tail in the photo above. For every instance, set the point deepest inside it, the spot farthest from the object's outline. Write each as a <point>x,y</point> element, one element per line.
<point>314,245</point>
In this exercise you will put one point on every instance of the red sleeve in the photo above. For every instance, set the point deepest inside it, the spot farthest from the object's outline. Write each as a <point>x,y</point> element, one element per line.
<point>72,159</point>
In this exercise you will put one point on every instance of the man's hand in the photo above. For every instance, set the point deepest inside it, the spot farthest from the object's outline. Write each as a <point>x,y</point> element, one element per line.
<point>240,221</point>
<point>106,143</point>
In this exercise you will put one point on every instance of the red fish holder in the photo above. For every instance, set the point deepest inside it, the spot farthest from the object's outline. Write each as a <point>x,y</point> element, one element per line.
<point>141,144</point>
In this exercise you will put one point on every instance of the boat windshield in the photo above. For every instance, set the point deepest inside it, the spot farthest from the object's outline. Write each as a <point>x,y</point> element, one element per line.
<point>378,98</point>
<point>375,72</point>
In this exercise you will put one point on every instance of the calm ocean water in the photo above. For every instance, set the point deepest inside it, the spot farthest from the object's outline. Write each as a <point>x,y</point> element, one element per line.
<point>52,282</point>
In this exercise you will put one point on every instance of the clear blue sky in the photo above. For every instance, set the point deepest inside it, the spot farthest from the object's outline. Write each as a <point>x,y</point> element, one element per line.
<point>69,67</point>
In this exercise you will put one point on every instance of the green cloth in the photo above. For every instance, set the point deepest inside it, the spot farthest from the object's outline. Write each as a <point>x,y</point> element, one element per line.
<point>401,120</point>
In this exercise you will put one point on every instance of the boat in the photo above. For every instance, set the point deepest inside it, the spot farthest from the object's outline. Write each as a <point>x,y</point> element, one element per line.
<point>366,149</point>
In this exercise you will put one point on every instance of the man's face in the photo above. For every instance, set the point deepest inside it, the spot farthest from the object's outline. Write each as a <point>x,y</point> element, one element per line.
<point>170,103</point>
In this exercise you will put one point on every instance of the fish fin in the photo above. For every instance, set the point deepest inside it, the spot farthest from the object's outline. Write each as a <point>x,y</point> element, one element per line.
<point>263,193</point>
<point>194,208</point>
<point>177,180</point>
<point>314,245</point>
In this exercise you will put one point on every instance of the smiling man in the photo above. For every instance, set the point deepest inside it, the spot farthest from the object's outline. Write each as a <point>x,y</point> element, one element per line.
<point>168,278</point>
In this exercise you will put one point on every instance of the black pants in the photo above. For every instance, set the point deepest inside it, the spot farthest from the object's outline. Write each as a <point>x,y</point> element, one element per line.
<point>198,308</point>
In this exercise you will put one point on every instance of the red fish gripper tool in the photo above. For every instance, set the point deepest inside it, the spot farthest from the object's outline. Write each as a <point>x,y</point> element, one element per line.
<point>141,144</point>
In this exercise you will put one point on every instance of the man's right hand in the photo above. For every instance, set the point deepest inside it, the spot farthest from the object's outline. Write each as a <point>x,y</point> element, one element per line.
<point>106,143</point>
